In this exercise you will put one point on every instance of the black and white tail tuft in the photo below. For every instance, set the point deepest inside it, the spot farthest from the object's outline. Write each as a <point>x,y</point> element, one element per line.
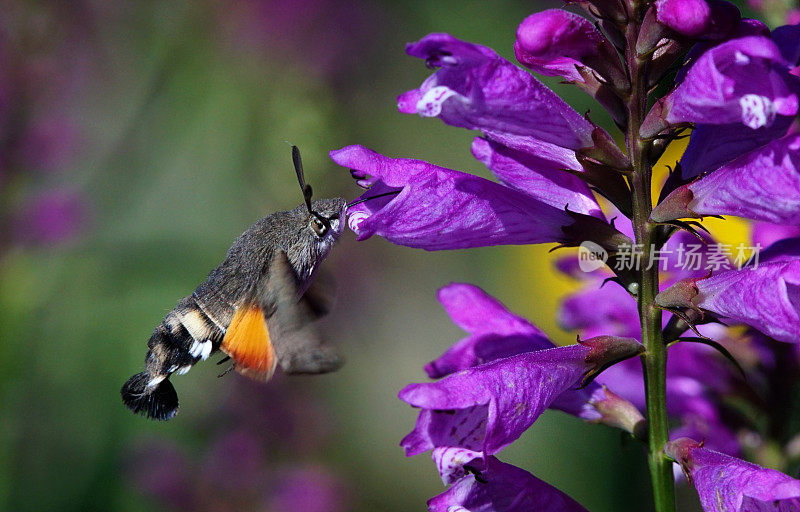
<point>158,402</point>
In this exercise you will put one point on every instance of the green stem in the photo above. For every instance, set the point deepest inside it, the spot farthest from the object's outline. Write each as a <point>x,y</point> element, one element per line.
<point>654,361</point>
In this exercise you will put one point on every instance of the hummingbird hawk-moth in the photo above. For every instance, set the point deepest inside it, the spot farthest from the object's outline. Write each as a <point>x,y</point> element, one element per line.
<point>257,307</point>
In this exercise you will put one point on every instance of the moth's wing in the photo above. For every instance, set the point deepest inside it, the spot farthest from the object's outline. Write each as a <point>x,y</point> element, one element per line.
<point>298,345</point>
<point>248,343</point>
<point>320,295</point>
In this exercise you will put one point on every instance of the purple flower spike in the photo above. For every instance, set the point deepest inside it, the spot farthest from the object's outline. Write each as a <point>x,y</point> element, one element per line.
<point>495,332</point>
<point>558,43</point>
<point>475,88</point>
<point>487,407</point>
<point>502,487</point>
<point>739,188</point>
<point>728,484</point>
<point>437,208</point>
<point>540,175</point>
<point>686,17</point>
<point>766,297</point>
<point>719,89</point>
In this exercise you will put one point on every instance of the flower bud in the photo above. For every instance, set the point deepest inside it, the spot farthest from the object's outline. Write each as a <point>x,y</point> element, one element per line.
<point>619,413</point>
<point>674,206</point>
<point>605,351</point>
<point>679,295</point>
<point>686,17</point>
<point>559,43</point>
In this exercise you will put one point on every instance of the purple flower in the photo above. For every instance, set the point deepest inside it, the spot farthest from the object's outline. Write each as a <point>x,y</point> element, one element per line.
<point>495,332</point>
<point>766,296</point>
<point>728,484</point>
<point>436,208</point>
<point>502,487</point>
<point>559,43</point>
<point>485,408</point>
<point>718,89</point>
<point>740,187</point>
<point>475,88</point>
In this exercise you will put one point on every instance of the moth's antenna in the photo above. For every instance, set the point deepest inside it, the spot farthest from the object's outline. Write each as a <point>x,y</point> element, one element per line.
<point>365,199</point>
<point>298,168</point>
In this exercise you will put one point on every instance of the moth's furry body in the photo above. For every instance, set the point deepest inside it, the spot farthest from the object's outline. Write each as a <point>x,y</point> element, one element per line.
<point>274,259</point>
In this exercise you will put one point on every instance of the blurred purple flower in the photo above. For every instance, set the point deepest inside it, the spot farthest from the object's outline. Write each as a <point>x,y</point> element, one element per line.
<point>308,489</point>
<point>242,467</point>
<point>51,218</point>
<point>728,484</point>
<point>161,471</point>
<point>326,37</point>
<point>49,145</point>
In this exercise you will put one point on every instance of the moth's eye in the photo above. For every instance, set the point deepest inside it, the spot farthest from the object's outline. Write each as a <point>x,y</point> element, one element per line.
<point>319,226</point>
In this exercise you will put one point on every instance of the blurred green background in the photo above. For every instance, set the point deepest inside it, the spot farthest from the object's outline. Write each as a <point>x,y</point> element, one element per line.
<point>138,140</point>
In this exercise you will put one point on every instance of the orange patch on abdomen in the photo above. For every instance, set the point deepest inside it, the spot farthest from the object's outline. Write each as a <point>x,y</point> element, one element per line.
<point>247,342</point>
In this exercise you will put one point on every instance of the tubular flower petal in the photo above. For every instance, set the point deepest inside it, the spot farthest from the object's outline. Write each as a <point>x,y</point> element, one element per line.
<point>766,296</point>
<point>487,407</point>
<point>765,234</point>
<point>434,208</point>
<point>741,186</point>
<point>502,487</point>
<point>495,332</point>
<point>475,88</point>
<point>728,484</point>
<point>539,175</point>
<point>711,146</point>
<point>719,89</point>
